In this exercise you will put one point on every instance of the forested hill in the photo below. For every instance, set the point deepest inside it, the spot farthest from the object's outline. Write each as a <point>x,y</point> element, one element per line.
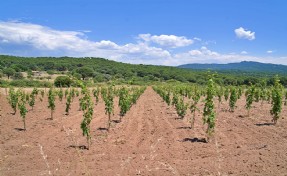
<point>103,70</point>
<point>246,66</point>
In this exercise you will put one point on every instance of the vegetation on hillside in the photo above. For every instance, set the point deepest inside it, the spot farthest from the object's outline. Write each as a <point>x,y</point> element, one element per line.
<point>97,70</point>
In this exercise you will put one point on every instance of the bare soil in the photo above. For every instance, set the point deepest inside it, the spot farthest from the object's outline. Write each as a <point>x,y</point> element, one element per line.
<point>150,140</point>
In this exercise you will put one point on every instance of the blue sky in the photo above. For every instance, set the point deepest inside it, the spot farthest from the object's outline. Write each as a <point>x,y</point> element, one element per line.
<point>162,32</point>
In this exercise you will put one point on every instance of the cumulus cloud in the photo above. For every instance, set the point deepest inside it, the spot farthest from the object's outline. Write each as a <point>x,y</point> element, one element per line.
<point>166,40</point>
<point>244,34</point>
<point>205,55</point>
<point>198,39</point>
<point>76,44</point>
<point>244,52</point>
<point>28,39</point>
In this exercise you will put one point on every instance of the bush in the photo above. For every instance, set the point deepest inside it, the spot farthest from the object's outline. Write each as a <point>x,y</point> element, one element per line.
<point>29,83</point>
<point>63,81</point>
<point>18,75</point>
<point>4,83</point>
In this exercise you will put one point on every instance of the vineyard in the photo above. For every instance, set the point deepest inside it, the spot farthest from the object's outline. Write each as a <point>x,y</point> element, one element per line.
<point>160,130</point>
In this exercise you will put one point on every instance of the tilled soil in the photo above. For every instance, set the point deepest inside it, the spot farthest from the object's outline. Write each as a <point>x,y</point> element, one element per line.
<point>150,140</point>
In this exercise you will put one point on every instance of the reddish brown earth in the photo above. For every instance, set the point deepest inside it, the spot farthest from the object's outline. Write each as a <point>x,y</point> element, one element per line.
<point>149,141</point>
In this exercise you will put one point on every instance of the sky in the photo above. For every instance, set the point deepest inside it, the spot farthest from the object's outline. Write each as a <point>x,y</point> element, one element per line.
<point>158,32</point>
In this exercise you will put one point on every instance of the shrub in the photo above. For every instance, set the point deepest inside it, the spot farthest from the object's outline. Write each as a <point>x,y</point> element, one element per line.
<point>18,75</point>
<point>63,81</point>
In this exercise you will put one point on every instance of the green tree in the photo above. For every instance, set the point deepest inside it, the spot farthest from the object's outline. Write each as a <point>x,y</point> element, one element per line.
<point>9,72</point>
<point>85,72</point>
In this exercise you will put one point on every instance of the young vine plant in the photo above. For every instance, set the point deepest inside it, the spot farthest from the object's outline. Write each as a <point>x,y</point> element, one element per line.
<point>277,94</point>
<point>208,111</point>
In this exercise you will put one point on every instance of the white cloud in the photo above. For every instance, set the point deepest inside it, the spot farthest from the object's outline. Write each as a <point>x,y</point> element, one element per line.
<point>71,43</point>
<point>198,39</point>
<point>269,52</point>
<point>195,52</point>
<point>35,40</point>
<point>166,40</point>
<point>244,34</point>
<point>205,55</point>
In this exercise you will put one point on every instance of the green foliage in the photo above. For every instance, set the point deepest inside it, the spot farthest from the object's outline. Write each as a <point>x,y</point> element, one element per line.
<point>208,111</point>
<point>22,108</point>
<point>68,104</point>
<point>96,93</point>
<point>66,92</point>
<point>87,108</point>
<point>51,101</point>
<point>220,94</point>
<point>27,97</point>
<point>61,94</point>
<point>257,95</point>
<point>26,83</point>
<point>239,92</point>
<point>163,93</point>
<point>193,108</point>
<point>276,100</point>
<point>181,108</point>
<point>174,99</point>
<point>72,92</point>
<point>9,72</point>
<point>63,81</point>
<point>13,99</point>
<point>32,100</point>
<point>263,95</point>
<point>124,101</point>
<point>105,70</point>
<point>18,75</point>
<point>233,99</point>
<point>42,93</point>
<point>85,72</point>
<point>109,103</point>
<point>77,92</point>
<point>226,93</point>
<point>249,98</point>
<point>166,98</point>
<point>285,103</point>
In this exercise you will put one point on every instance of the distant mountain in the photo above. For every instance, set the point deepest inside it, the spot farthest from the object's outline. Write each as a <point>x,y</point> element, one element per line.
<point>245,66</point>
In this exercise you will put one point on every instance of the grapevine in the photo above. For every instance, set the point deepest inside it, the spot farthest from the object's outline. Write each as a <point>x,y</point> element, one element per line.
<point>233,99</point>
<point>208,112</point>
<point>276,100</point>
<point>249,98</point>
<point>51,101</point>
